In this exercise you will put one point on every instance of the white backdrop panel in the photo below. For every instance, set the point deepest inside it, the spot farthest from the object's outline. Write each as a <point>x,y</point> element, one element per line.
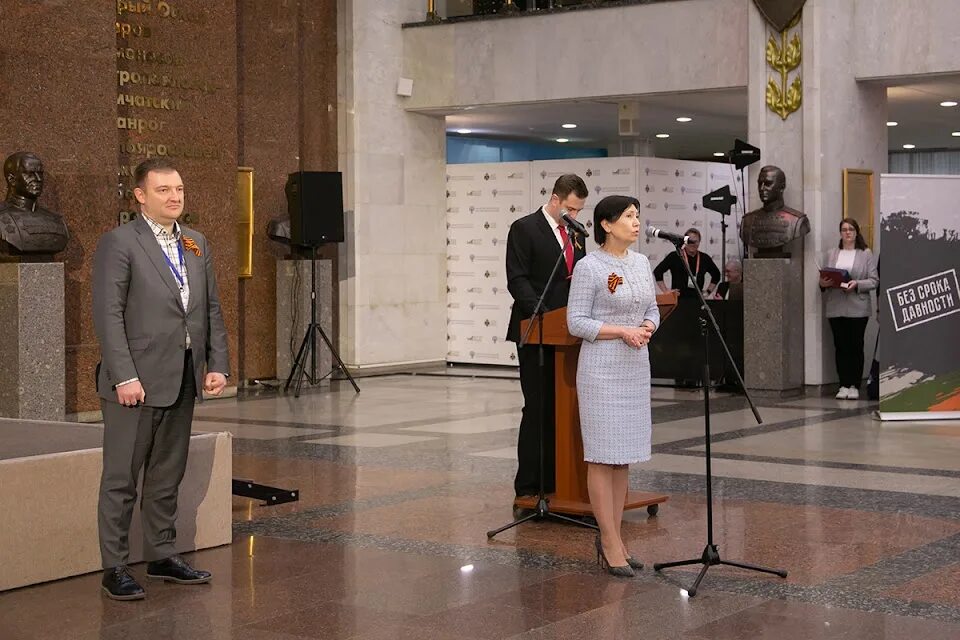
<point>482,201</point>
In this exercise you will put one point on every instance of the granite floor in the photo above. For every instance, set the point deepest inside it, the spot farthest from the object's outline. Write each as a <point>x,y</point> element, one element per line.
<point>400,483</point>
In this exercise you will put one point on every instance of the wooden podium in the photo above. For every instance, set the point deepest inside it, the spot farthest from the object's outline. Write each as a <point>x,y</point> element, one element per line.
<point>571,495</point>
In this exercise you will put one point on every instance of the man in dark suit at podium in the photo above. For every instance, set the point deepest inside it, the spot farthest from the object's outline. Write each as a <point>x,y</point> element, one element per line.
<point>533,246</point>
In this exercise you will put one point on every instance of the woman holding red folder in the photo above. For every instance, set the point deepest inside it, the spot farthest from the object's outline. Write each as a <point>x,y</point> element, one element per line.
<point>847,304</point>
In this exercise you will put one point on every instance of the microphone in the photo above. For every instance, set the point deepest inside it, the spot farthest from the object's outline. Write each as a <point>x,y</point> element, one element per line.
<point>653,232</point>
<point>576,226</point>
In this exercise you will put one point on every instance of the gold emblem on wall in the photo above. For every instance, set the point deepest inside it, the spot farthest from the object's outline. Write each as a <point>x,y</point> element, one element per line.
<point>784,96</point>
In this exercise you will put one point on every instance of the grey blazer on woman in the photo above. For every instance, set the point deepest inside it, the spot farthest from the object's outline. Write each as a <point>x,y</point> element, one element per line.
<point>856,304</point>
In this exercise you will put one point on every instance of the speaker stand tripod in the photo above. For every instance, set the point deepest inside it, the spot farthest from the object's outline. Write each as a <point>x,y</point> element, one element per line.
<point>542,510</point>
<point>711,553</point>
<point>309,343</point>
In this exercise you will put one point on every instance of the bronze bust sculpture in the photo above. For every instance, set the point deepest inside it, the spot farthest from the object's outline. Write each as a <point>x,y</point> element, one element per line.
<point>770,228</point>
<point>27,229</point>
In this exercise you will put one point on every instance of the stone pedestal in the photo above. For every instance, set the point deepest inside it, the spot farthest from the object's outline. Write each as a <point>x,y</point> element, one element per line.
<point>773,324</point>
<point>293,314</point>
<point>32,341</point>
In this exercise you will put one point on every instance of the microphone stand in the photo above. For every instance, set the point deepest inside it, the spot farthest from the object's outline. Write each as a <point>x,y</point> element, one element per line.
<point>711,553</point>
<point>542,509</point>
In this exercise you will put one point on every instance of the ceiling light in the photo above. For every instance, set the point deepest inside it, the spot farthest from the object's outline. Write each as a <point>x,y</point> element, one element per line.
<point>663,135</point>
<point>948,103</point>
<point>956,134</point>
<point>892,123</point>
<point>684,119</point>
<point>464,131</point>
<point>719,154</point>
<point>467,568</point>
<point>909,146</point>
<point>563,139</point>
<point>569,125</point>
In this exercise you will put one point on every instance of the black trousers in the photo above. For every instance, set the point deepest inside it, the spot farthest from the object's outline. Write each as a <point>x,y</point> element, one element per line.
<point>527,481</point>
<point>848,349</point>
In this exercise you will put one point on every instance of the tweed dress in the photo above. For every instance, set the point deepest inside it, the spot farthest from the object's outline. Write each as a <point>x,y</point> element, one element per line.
<point>613,378</point>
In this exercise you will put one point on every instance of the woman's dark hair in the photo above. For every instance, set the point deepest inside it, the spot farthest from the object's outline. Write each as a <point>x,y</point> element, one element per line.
<point>610,209</point>
<point>859,243</point>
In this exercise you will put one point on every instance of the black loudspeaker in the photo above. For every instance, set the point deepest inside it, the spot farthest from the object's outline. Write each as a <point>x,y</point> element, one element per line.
<point>315,206</point>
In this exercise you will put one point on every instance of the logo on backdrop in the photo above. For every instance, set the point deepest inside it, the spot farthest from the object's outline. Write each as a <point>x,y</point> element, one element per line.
<point>924,300</point>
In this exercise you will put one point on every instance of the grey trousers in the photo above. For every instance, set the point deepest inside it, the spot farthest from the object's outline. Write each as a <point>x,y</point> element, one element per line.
<point>155,439</point>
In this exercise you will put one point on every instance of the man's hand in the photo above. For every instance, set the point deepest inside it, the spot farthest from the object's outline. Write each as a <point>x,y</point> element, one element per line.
<point>214,383</point>
<point>130,394</point>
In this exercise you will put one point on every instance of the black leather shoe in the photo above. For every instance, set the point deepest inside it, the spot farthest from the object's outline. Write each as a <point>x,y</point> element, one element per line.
<point>175,569</point>
<point>120,585</point>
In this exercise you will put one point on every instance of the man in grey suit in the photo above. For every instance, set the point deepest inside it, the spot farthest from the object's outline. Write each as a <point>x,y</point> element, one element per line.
<point>157,317</point>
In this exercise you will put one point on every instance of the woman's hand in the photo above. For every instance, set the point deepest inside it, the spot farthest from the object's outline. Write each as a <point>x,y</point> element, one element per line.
<point>826,283</point>
<point>637,337</point>
<point>849,286</point>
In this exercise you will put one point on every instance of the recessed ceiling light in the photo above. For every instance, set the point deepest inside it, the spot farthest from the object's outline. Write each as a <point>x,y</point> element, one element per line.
<point>563,139</point>
<point>684,119</point>
<point>663,135</point>
<point>948,103</point>
<point>719,154</point>
<point>569,125</point>
<point>909,146</point>
<point>892,123</point>
<point>464,131</point>
<point>956,134</point>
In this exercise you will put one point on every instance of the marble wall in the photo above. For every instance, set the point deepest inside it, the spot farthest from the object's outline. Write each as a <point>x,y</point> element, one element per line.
<point>841,125</point>
<point>901,37</point>
<point>58,99</point>
<point>614,51</point>
<point>392,269</point>
<point>287,86</point>
<point>244,82</point>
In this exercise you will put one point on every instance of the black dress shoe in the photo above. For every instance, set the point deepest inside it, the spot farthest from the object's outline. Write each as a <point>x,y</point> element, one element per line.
<point>175,569</point>
<point>120,585</point>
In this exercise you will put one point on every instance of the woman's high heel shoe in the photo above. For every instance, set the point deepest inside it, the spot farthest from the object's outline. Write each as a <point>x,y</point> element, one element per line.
<point>621,572</point>
<point>636,564</point>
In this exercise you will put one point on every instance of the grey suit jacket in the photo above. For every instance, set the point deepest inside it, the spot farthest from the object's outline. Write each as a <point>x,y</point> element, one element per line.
<point>856,304</point>
<point>140,321</point>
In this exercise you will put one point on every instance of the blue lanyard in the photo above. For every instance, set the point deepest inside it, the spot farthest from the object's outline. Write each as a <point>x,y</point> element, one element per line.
<point>176,271</point>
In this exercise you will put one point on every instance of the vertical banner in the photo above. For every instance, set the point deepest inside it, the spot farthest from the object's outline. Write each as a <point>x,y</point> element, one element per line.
<point>919,297</point>
<point>482,201</point>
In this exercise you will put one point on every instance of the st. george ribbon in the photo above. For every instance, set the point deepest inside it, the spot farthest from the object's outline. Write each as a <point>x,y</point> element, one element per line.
<point>573,224</point>
<point>653,232</point>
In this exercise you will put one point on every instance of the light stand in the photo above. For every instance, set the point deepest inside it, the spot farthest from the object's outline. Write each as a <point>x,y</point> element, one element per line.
<point>542,510</point>
<point>720,201</point>
<point>711,553</point>
<point>742,156</point>
<point>309,342</point>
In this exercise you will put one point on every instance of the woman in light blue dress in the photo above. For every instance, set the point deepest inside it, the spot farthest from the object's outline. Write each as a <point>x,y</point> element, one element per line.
<point>613,307</point>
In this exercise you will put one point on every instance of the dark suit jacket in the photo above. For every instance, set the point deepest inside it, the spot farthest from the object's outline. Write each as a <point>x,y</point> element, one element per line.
<point>532,250</point>
<point>140,321</point>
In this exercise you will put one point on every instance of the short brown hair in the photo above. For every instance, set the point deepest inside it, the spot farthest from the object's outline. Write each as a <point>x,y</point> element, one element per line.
<point>570,183</point>
<point>153,164</point>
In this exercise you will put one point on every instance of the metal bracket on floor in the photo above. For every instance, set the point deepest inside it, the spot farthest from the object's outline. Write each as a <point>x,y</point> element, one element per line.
<point>270,495</point>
